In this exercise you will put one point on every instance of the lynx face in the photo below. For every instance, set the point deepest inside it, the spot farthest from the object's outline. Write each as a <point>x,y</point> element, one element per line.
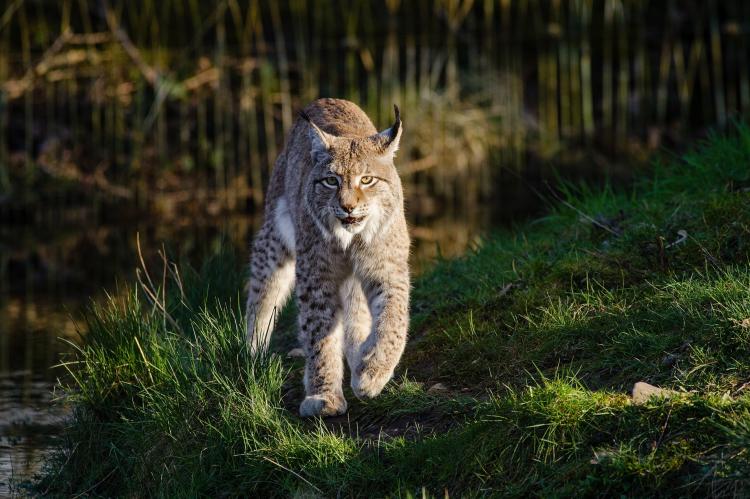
<point>354,186</point>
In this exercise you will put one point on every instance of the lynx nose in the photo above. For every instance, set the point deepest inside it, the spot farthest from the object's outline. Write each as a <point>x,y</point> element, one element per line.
<point>348,207</point>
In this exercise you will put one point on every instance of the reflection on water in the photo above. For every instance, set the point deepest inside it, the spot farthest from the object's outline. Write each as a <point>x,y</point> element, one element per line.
<point>30,328</point>
<point>29,422</point>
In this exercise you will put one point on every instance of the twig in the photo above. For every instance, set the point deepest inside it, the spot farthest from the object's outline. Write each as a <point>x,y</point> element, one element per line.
<point>12,8</point>
<point>178,279</point>
<point>154,299</point>
<point>741,387</point>
<point>70,172</point>
<point>90,38</point>
<point>708,254</point>
<point>682,237</point>
<point>140,257</point>
<point>95,485</point>
<point>163,89</point>
<point>151,292</point>
<point>161,85</point>
<point>151,75</point>
<point>59,470</point>
<point>588,218</point>
<point>664,428</point>
<point>505,289</point>
<point>163,254</point>
<point>16,88</point>
<point>308,482</point>
<point>613,261</point>
<point>145,360</point>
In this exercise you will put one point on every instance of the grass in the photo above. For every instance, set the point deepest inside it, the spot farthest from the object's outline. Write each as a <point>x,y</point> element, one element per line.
<point>535,338</point>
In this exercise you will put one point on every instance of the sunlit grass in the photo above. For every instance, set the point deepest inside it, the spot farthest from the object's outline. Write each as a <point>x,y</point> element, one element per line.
<point>535,337</point>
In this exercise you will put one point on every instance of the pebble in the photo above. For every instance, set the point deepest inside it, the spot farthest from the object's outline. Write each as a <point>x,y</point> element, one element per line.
<point>437,388</point>
<point>642,392</point>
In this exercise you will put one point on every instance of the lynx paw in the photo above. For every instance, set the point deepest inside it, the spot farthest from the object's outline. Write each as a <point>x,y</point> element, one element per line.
<point>370,382</point>
<point>322,405</point>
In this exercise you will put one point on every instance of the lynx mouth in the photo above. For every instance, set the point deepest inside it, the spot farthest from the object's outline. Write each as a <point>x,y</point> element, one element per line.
<point>351,220</point>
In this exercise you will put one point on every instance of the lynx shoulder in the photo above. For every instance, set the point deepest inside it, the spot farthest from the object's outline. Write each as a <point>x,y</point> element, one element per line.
<point>335,233</point>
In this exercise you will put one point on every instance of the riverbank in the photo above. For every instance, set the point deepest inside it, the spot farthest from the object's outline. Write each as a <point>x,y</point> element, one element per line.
<point>516,379</point>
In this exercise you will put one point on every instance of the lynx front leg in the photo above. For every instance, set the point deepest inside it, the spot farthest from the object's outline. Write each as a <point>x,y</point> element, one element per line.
<point>357,320</point>
<point>381,352</point>
<point>322,338</point>
<point>271,282</point>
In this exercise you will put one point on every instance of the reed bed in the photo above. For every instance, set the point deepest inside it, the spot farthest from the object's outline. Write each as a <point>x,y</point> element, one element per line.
<point>142,99</point>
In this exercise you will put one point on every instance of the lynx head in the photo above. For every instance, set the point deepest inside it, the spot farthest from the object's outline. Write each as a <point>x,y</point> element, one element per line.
<point>354,186</point>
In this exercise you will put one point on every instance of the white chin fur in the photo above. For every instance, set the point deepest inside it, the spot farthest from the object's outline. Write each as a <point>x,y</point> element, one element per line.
<point>354,228</point>
<point>344,233</point>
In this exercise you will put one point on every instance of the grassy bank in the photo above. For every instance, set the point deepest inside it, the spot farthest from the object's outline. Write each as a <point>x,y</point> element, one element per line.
<point>515,381</point>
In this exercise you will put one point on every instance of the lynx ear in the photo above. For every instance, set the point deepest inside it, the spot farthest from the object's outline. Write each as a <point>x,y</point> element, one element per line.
<point>320,141</point>
<point>386,142</point>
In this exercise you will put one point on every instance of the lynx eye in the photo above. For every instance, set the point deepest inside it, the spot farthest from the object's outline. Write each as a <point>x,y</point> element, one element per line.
<point>331,182</point>
<point>366,180</point>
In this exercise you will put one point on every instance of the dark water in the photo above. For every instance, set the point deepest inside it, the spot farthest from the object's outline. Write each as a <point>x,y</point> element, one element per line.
<point>29,419</point>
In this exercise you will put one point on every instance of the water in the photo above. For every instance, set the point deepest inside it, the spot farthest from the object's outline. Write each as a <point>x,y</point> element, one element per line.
<point>29,420</point>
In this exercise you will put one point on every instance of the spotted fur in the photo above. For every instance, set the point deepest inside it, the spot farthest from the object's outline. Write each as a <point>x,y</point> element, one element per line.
<point>335,231</point>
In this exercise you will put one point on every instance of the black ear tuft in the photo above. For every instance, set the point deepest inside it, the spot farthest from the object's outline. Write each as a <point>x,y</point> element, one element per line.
<point>388,140</point>
<point>397,124</point>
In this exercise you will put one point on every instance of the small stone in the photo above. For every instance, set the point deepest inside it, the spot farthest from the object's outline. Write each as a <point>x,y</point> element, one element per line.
<point>437,388</point>
<point>296,352</point>
<point>642,392</point>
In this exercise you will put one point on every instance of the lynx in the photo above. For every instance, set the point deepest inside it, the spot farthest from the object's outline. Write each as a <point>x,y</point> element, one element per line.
<point>335,230</point>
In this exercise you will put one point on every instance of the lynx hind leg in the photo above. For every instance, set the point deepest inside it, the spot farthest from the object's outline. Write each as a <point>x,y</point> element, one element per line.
<point>270,284</point>
<point>357,322</point>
